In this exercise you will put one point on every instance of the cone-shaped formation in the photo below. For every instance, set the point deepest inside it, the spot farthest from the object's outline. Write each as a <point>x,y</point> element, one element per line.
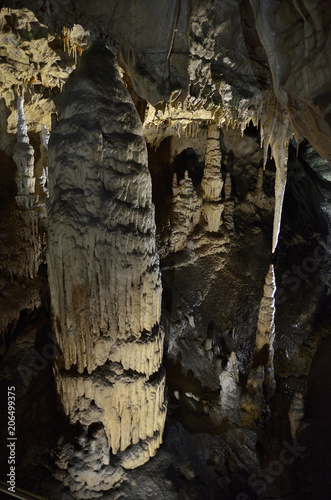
<point>276,132</point>
<point>230,390</point>
<point>261,382</point>
<point>103,267</point>
<point>265,333</point>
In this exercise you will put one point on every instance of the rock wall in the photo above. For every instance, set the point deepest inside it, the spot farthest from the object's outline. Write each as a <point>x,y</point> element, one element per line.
<point>102,263</point>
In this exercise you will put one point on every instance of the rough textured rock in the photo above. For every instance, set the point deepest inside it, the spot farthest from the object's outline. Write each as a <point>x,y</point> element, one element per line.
<point>103,266</point>
<point>186,212</point>
<point>212,181</point>
<point>192,69</point>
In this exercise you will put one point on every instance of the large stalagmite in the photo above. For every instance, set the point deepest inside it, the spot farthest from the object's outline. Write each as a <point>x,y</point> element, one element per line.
<point>103,266</point>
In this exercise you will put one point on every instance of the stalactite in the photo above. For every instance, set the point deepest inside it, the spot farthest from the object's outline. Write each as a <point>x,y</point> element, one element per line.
<point>276,133</point>
<point>103,267</point>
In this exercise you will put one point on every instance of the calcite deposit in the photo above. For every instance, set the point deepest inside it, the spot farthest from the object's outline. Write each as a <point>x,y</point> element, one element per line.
<point>103,266</point>
<point>171,158</point>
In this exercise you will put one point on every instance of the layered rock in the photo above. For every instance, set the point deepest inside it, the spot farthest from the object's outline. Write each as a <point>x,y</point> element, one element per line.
<point>186,211</point>
<point>42,163</point>
<point>24,159</point>
<point>261,380</point>
<point>31,236</point>
<point>212,181</point>
<point>103,267</point>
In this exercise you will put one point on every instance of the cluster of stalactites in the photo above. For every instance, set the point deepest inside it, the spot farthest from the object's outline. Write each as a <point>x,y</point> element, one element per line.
<point>185,115</point>
<point>69,45</point>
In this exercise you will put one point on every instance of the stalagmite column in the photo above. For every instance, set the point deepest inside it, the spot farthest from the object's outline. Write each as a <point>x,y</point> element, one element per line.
<point>103,268</point>
<point>228,203</point>
<point>186,211</point>
<point>230,390</point>
<point>265,333</point>
<point>26,199</point>
<point>42,164</point>
<point>261,381</point>
<point>296,412</point>
<point>212,181</point>
<point>24,159</point>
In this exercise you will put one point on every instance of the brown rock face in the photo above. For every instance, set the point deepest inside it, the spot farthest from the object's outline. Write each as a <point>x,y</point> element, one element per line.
<point>103,267</point>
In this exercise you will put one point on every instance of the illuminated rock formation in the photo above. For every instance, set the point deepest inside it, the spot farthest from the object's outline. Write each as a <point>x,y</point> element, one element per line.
<point>212,181</point>
<point>24,159</point>
<point>103,267</point>
<point>186,211</point>
<point>261,381</point>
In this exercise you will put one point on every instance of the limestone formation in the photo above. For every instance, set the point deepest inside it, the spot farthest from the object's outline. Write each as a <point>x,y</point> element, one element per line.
<point>228,212</point>
<point>186,211</point>
<point>265,335</point>
<point>275,132</point>
<point>103,267</point>
<point>24,159</point>
<point>188,68</point>
<point>296,412</point>
<point>26,199</point>
<point>42,164</point>
<point>230,390</point>
<point>212,181</point>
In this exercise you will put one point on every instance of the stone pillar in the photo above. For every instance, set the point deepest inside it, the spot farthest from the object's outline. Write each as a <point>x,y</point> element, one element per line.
<point>24,159</point>
<point>104,277</point>
<point>212,181</point>
<point>186,212</point>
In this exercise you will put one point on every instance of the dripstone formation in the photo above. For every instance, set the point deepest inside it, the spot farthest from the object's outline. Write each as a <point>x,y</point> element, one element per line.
<point>104,271</point>
<point>143,141</point>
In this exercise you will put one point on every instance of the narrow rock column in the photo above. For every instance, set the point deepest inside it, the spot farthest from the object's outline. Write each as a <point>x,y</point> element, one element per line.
<point>261,381</point>
<point>228,213</point>
<point>42,164</point>
<point>24,159</point>
<point>186,212</point>
<point>276,131</point>
<point>26,199</point>
<point>104,271</point>
<point>212,181</point>
<point>265,333</point>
